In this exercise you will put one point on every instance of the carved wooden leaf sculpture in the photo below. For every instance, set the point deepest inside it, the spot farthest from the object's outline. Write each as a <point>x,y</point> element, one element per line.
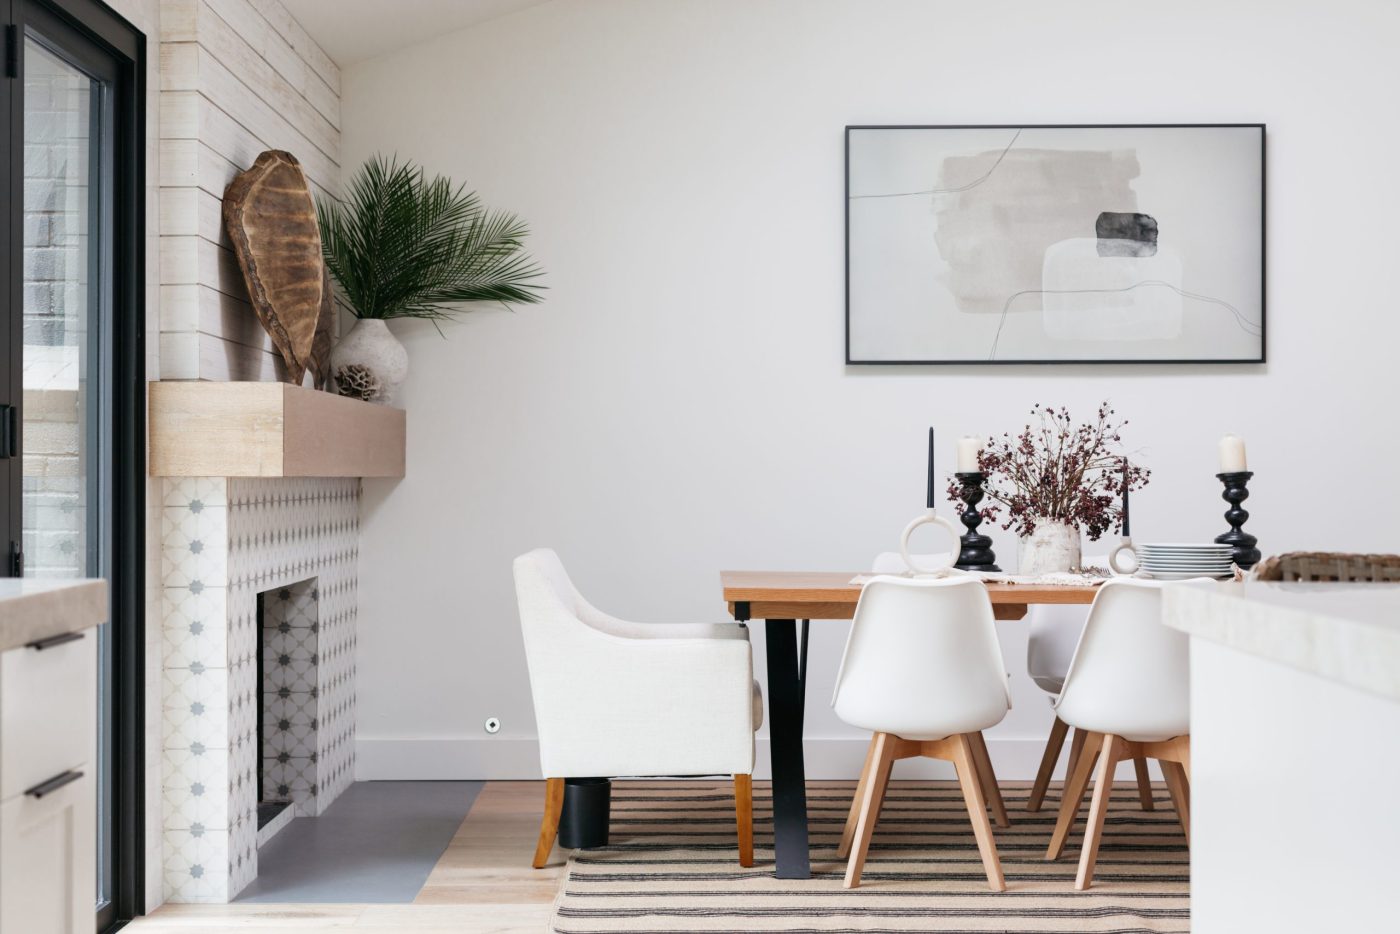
<point>272,221</point>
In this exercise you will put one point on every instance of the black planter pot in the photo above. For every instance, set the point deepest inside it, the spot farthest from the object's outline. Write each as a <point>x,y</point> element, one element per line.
<point>587,808</point>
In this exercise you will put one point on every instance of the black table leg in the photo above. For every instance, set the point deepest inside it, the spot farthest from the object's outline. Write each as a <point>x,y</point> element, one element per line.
<point>786,694</point>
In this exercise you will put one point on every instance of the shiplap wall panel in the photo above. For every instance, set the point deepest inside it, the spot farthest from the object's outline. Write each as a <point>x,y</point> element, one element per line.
<point>237,77</point>
<point>286,26</point>
<point>192,115</point>
<point>198,308</point>
<point>231,318</point>
<point>222,360</point>
<point>253,97</point>
<point>196,261</point>
<point>262,38</point>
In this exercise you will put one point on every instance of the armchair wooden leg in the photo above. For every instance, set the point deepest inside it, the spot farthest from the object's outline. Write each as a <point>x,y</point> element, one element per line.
<point>1144,782</point>
<point>549,825</point>
<point>1073,792</point>
<point>1109,757</point>
<point>1180,790</point>
<point>964,760</point>
<point>990,790</point>
<point>1053,745</point>
<point>743,808</point>
<point>849,833</point>
<point>883,756</point>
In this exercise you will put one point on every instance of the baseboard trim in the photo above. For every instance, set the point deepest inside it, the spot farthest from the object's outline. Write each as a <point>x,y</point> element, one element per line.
<point>456,759</point>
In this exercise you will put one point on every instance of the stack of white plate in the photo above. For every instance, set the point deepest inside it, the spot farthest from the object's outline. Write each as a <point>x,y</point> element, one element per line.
<point>1175,561</point>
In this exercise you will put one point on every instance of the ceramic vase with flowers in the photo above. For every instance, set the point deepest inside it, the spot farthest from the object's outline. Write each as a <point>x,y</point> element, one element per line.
<point>402,246</point>
<point>1056,482</point>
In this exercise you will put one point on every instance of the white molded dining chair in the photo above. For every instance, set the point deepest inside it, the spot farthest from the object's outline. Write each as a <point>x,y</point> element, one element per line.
<point>892,562</point>
<point>1053,635</point>
<point>640,699</point>
<point>923,672</point>
<point>1128,690</point>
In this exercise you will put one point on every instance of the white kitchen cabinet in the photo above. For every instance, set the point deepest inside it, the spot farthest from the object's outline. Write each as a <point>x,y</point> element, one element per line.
<point>48,854</point>
<point>48,788</point>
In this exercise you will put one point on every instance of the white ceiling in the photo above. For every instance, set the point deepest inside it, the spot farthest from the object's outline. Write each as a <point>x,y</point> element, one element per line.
<point>351,31</point>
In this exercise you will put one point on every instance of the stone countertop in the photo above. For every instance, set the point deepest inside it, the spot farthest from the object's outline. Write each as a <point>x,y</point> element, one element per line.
<point>37,609</point>
<point>1349,633</point>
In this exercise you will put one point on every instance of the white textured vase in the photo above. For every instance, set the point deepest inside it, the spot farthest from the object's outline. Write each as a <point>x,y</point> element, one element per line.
<point>1052,548</point>
<point>372,345</point>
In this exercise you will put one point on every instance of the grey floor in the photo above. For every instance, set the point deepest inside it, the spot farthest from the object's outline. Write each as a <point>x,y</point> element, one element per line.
<point>376,843</point>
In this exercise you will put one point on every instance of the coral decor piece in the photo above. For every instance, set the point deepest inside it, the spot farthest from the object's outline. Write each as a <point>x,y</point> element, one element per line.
<point>358,382</point>
<point>271,220</point>
<point>1059,472</point>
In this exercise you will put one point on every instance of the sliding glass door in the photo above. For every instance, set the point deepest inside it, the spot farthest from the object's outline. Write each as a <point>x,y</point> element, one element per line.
<point>72,336</point>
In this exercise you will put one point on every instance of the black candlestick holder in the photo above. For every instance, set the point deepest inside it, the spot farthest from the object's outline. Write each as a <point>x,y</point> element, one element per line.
<point>1236,492</point>
<point>976,552</point>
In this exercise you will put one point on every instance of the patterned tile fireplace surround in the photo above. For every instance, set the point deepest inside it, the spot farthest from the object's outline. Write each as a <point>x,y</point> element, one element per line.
<point>225,541</point>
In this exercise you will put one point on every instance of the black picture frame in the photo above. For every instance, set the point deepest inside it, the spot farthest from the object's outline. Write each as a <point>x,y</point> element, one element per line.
<point>1213,361</point>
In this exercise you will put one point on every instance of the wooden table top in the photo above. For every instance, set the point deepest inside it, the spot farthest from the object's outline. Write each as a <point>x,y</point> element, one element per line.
<point>831,595</point>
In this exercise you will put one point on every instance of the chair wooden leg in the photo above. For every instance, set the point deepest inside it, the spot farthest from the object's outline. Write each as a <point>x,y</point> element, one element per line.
<point>1180,790</point>
<point>1183,751</point>
<point>988,776</point>
<point>1109,756</point>
<point>969,778</point>
<point>549,825</point>
<point>1073,792</point>
<point>1076,749</point>
<point>743,812</point>
<point>1144,782</point>
<point>883,760</point>
<point>849,833</point>
<point>1053,745</point>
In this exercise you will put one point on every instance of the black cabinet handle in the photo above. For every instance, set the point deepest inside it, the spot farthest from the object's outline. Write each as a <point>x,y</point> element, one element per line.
<point>53,784</point>
<point>63,638</point>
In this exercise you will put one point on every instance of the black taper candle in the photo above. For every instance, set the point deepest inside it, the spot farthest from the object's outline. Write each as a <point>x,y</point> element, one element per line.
<point>1125,498</point>
<point>930,470</point>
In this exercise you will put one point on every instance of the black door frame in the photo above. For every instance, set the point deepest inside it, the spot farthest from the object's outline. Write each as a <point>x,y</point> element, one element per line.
<point>91,33</point>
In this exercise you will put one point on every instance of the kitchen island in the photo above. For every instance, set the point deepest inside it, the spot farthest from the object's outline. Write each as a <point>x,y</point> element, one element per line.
<point>1295,736</point>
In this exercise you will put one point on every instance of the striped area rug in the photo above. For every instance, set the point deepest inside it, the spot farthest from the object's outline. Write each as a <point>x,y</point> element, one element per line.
<point>672,867</point>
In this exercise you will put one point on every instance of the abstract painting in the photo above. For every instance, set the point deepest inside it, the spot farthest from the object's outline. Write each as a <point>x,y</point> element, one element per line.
<point>1055,244</point>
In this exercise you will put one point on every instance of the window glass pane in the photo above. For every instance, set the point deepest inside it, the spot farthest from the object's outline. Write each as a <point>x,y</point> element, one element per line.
<point>59,238</point>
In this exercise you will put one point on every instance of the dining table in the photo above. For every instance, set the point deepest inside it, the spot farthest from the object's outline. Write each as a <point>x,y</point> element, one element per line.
<point>787,602</point>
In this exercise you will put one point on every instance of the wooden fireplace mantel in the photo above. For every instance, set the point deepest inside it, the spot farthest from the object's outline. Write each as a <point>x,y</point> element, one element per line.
<point>246,429</point>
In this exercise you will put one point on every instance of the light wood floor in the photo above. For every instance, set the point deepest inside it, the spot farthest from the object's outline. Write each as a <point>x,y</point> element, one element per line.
<point>482,884</point>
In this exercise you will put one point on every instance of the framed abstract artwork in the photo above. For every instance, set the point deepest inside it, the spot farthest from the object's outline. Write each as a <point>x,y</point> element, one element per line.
<point>1055,244</point>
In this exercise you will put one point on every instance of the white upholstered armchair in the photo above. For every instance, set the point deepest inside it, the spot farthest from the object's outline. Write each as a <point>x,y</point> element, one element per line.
<point>617,698</point>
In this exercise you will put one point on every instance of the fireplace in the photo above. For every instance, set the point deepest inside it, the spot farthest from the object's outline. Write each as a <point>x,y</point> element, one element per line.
<point>289,624</point>
<point>259,704</point>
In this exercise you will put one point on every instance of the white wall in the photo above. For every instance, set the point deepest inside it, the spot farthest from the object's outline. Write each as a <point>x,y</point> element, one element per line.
<point>679,404</point>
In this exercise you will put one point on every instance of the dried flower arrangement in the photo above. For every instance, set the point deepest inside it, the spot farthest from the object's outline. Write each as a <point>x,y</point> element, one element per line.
<point>1059,471</point>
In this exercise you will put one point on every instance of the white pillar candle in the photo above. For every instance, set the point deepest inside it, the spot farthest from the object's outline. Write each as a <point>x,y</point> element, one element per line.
<point>1232,455</point>
<point>968,449</point>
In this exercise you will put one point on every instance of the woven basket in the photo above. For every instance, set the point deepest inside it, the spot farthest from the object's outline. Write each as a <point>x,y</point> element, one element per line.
<point>1328,566</point>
